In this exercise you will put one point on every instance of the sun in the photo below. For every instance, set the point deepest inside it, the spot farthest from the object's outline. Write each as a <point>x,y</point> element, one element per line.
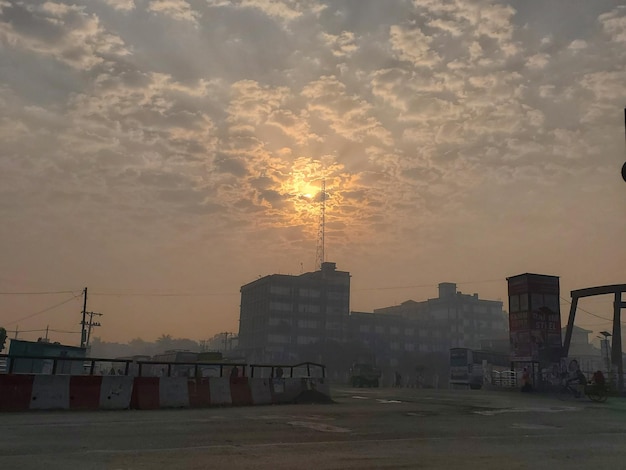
<point>303,187</point>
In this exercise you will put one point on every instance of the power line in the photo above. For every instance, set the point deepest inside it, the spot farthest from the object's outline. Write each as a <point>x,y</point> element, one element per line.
<point>590,313</point>
<point>43,311</point>
<point>161,294</point>
<point>42,329</point>
<point>39,293</point>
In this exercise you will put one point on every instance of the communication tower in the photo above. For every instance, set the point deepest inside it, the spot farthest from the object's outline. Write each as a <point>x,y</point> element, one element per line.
<point>319,252</point>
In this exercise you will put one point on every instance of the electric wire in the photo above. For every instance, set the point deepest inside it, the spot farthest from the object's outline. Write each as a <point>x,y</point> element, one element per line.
<point>43,311</point>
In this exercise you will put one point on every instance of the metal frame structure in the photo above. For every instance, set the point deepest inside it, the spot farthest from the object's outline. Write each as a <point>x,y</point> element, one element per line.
<point>616,352</point>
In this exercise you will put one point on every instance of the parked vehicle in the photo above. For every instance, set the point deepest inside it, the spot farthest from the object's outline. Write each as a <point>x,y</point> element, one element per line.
<point>365,375</point>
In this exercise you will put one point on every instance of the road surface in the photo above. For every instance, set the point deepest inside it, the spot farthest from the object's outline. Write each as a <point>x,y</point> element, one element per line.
<point>364,429</point>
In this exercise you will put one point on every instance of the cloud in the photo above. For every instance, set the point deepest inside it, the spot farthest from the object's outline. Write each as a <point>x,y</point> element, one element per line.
<point>342,45</point>
<point>203,131</point>
<point>176,9</point>
<point>284,10</point>
<point>64,32</point>
<point>122,5</point>
<point>614,24</point>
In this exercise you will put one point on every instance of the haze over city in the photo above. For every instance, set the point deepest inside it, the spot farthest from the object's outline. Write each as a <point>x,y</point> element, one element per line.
<point>166,152</point>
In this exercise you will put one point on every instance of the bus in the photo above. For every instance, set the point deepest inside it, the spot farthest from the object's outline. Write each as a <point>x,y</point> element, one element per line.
<point>468,367</point>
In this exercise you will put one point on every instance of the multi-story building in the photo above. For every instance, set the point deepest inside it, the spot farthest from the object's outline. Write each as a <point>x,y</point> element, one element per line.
<point>451,320</point>
<point>281,314</point>
<point>287,318</point>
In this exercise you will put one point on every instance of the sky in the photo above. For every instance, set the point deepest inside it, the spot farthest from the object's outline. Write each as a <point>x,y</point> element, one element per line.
<point>163,153</point>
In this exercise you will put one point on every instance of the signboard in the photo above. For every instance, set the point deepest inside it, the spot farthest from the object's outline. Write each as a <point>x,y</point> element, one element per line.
<point>534,316</point>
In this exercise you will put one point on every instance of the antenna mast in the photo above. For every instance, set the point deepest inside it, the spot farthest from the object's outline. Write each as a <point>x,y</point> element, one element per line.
<point>319,255</point>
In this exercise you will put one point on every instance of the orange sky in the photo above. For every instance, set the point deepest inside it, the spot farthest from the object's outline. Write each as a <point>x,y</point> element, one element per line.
<point>166,153</point>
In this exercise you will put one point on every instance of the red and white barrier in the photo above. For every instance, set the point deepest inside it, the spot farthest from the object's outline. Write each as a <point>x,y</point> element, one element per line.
<point>261,392</point>
<point>173,392</point>
<point>84,392</point>
<point>48,392</point>
<point>286,390</point>
<point>199,392</point>
<point>220,391</point>
<point>116,392</point>
<point>15,392</point>
<point>240,392</point>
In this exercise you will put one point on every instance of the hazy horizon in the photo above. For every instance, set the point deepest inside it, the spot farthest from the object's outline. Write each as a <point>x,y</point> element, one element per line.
<point>164,153</point>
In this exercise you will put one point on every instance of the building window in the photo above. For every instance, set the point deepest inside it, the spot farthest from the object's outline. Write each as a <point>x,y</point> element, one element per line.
<point>313,293</point>
<point>394,346</point>
<point>364,328</point>
<point>280,290</point>
<point>409,331</point>
<point>308,308</point>
<point>280,307</point>
<point>307,324</point>
<point>394,330</point>
<point>307,339</point>
<point>273,321</point>
<point>379,329</point>
<point>409,347</point>
<point>279,339</point>
<point>523,303</point>
<point>337,296</point>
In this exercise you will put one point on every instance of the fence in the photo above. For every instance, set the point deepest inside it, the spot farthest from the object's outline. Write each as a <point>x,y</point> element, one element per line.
<point>53,365</point>
<point>505,379</point>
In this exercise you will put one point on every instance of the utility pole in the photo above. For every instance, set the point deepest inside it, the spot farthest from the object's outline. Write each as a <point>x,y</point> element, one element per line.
<point>91,324</point>
<point>83,335</point>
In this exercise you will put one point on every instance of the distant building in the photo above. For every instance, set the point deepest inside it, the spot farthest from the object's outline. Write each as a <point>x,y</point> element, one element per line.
<point>452,319</point>
<point>280,314</point>
<point>34,350</point>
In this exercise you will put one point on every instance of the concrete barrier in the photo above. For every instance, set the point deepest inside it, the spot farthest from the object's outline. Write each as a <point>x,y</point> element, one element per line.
<point>240,392</point>
<point>261,391</point>
<point>220,391</point>
<point>286,390</point>
<point>116,392</point>
<point>85,392</point>
<point>199,393</point>
<point>145,393</point>
<point>173,392</point>
<point>50,392</point>
<point>15,392</point>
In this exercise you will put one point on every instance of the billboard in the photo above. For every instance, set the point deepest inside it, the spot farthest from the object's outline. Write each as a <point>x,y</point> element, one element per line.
<point>534,317</point>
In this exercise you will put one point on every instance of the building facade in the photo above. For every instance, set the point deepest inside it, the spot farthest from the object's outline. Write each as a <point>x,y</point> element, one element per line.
<point>282,314</point>
<point>451,320</point>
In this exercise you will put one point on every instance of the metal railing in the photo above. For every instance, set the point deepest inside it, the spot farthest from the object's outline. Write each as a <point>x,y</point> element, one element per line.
<point>184,368</point>
<point>293,369</point>
<point>507,379</point>
<point>53,365</point>
<point>14,362</point>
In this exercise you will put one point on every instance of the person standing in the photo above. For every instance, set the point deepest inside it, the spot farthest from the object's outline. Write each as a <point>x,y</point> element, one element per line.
<point>527,385</point>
